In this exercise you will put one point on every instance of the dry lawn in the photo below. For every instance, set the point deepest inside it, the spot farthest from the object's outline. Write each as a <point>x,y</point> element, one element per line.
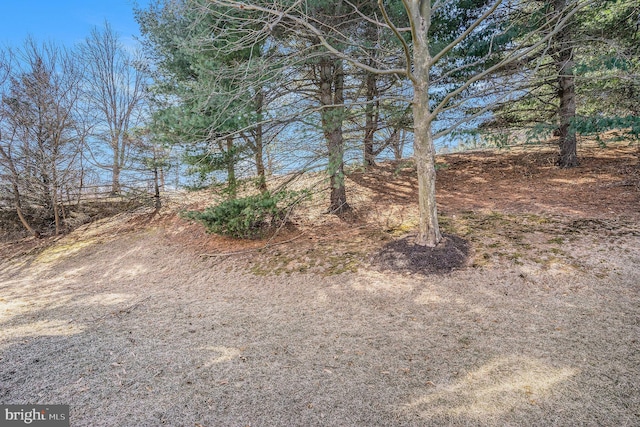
<point>145,320</point>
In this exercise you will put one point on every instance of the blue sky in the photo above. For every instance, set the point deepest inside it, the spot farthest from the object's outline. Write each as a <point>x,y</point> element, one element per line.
<point>65,21</point>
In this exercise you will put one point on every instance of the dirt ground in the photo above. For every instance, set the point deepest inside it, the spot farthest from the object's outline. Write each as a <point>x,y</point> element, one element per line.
<point>145,320</point>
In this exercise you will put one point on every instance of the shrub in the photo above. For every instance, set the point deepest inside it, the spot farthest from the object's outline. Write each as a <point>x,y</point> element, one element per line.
<point>247,217</point>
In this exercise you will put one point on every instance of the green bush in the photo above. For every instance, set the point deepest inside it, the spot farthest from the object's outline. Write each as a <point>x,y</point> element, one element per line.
<point>247,217</point>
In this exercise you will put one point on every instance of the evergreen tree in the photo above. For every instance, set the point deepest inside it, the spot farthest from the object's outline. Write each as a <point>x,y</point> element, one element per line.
<point>199,103</point>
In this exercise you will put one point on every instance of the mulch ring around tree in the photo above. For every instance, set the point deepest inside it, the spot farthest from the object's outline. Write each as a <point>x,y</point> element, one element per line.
<point>403,255</point>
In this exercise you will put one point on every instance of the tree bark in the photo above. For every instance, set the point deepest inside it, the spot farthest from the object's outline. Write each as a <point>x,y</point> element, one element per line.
<point>259,149</point>
<point>156,188</point>
<point>567,141</point>
<point>115,177</point>
<point>332,101</point>
<point>424,150</point>
<point>24,222</point>
<point>16,192</point>
<point>162,179</point>
<point>371,120</point>
<point>56,211</point>
<point>55,202</point>
<point>396,144</point>
<point>231,167</point>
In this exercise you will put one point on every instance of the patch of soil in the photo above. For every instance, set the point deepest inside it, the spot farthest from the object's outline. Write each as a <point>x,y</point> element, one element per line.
<point>404,255</point>
<point>606,184</point>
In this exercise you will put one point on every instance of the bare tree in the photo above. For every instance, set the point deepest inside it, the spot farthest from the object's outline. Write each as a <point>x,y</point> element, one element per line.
<point>40,138</point>
<point>115,89</point>
<point>9,176</point>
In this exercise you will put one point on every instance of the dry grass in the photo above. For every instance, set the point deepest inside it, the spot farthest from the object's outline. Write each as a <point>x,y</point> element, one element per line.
<point>126,321</point>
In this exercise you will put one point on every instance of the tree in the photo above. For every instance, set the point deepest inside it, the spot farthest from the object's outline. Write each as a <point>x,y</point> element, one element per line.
<point>563,54</point>
<point>115,91</point>
<point>420,61</point>
<point>331,85</point>
<point>608,68</point>
<point>557,75</point>
<point>154,157</point>
<point>199,102</point>
<point>382,111</point>
<point>41,135</point>
<point>584,81</point>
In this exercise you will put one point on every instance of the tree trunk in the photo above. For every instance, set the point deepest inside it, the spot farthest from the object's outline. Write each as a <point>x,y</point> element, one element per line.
<point>231,167</point>
<point>332,100</point>
<point>156,188</point>
<point>23,220</point>
<point>46,191</point>
<point>396,143</point>
<point>81,184</point>
<point>162,179</point>
<point>16,191</point>
<point>568,143</point>
<point>115,177</point>
<point>566,93</point>
<point>371,122</point>
<point>424,150</point>
<point>56,211</point>
<point>55,202</point>
<point>428,228</point>
<point>262,182</point>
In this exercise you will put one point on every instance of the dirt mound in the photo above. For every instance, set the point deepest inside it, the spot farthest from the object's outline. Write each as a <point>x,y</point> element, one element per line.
<point>404,255</point>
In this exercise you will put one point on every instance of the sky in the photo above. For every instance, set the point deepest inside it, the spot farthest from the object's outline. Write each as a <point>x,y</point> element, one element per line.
<point>66,21</point>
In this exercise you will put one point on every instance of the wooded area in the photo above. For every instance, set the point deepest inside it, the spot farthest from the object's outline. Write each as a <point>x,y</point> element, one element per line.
<point>232,92</point>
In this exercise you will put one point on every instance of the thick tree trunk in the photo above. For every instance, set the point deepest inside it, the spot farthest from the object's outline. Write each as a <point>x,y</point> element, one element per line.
<point>424,150</point>
<point>262,179</point>
<point>46,191</point>
<point>567,142</point>
<point>332,100</point>
<point>116,166</point>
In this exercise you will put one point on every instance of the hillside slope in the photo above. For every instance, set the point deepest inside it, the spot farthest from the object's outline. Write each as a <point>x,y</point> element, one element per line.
<point>146,320</point>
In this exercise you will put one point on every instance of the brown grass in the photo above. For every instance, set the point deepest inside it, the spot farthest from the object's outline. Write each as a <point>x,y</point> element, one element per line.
<point>127,321</point>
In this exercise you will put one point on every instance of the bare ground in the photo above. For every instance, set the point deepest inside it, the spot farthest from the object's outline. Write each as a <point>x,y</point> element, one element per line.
<point>145,320</point>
